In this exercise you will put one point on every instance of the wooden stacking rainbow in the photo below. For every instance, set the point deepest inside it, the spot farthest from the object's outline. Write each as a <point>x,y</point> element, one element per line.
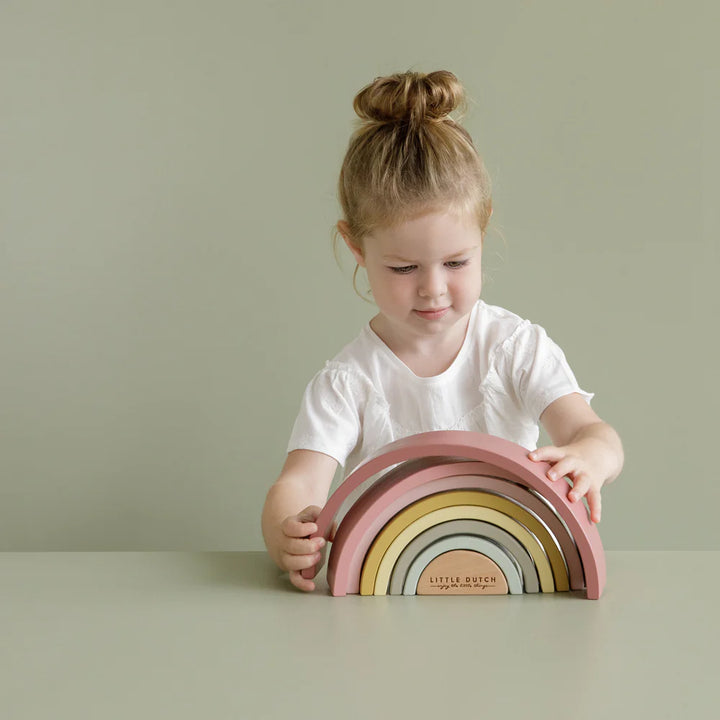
<point>458,512</point>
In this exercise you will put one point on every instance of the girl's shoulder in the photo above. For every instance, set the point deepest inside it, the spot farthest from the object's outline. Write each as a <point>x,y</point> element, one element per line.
<point>496,326</point>
<point>496,315</point>
<point>347,370</point>
<point>511,341</point>
<point>514,342</point>
<point>353,358</point>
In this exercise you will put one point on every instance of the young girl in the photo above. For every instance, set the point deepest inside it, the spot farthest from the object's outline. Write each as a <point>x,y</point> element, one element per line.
<point>416,200</point>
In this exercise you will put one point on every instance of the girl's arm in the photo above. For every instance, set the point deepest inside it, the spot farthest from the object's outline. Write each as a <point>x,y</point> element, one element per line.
<point>304,482</point>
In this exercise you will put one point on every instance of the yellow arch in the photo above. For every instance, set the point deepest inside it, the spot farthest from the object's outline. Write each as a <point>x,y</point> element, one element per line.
<point>450,505</point>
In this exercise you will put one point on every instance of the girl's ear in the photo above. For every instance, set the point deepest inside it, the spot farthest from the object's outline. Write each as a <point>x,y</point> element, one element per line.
<point>356,251</point>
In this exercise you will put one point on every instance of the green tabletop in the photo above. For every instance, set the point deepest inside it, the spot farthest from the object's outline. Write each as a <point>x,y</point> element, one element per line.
<point>160,635</point>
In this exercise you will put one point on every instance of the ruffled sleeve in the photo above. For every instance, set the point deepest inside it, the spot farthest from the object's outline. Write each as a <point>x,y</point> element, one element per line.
<point>538,370</point>
<point>329,416</point>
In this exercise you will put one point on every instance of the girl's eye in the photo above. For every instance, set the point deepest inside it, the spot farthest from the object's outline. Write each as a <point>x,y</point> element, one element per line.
<point>452,264</point>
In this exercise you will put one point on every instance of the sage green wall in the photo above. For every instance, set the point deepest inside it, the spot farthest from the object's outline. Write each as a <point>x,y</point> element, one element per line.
<point>167,285</point>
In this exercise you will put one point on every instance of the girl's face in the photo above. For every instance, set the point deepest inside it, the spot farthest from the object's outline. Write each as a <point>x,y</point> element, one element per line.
<point>432,262</point>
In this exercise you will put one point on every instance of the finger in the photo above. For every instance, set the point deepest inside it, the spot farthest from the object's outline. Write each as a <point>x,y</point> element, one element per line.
<point>594,504</point>
<point>300,582</point>
<point>305,546</point>
<point>318,560</point>
<point>316,565</point>
<point>310,512</point>
<point>309,515</point>
<point>297,528</point>
<point>566,466</point>
<point>581,484</point>
<point>300,562</point>
<point>549,453</point>
<point>302,524</point>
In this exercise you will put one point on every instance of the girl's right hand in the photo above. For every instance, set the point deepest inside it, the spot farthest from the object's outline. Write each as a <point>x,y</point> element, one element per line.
<point>297,551</point>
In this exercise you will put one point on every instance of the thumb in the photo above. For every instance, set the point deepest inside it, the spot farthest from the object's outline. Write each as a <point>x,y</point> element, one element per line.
<point>303,524</point>
<point>309,514</point>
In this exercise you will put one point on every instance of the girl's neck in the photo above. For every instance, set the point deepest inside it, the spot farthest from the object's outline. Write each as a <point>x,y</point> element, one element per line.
<point>430,355</point>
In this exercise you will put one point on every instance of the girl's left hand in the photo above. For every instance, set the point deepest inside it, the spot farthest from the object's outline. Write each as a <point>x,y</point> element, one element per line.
<point>569,460</point>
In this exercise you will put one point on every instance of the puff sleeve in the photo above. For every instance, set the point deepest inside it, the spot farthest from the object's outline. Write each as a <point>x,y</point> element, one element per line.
<point>539,372</point>
<point>329,416</point>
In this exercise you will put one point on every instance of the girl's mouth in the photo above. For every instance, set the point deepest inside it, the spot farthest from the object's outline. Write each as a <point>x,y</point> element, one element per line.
<point>432,314</point>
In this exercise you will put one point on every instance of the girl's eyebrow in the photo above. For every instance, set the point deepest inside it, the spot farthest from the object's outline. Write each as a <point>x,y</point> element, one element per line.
<point>449,257</point>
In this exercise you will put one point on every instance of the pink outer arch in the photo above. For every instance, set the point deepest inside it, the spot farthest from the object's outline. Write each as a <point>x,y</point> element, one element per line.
<point>497,451</point>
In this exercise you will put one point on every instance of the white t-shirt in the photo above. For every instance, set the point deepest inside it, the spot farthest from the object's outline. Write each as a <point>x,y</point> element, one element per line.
<point>506,373</point>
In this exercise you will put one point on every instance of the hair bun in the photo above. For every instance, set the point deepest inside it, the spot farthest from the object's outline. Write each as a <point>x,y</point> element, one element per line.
<point>410,97</point>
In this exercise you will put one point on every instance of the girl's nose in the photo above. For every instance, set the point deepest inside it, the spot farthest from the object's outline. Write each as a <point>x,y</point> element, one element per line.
<point>432,284</point>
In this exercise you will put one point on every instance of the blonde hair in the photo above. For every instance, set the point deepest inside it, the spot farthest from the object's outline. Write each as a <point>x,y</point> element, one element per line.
<point>407,157</point>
